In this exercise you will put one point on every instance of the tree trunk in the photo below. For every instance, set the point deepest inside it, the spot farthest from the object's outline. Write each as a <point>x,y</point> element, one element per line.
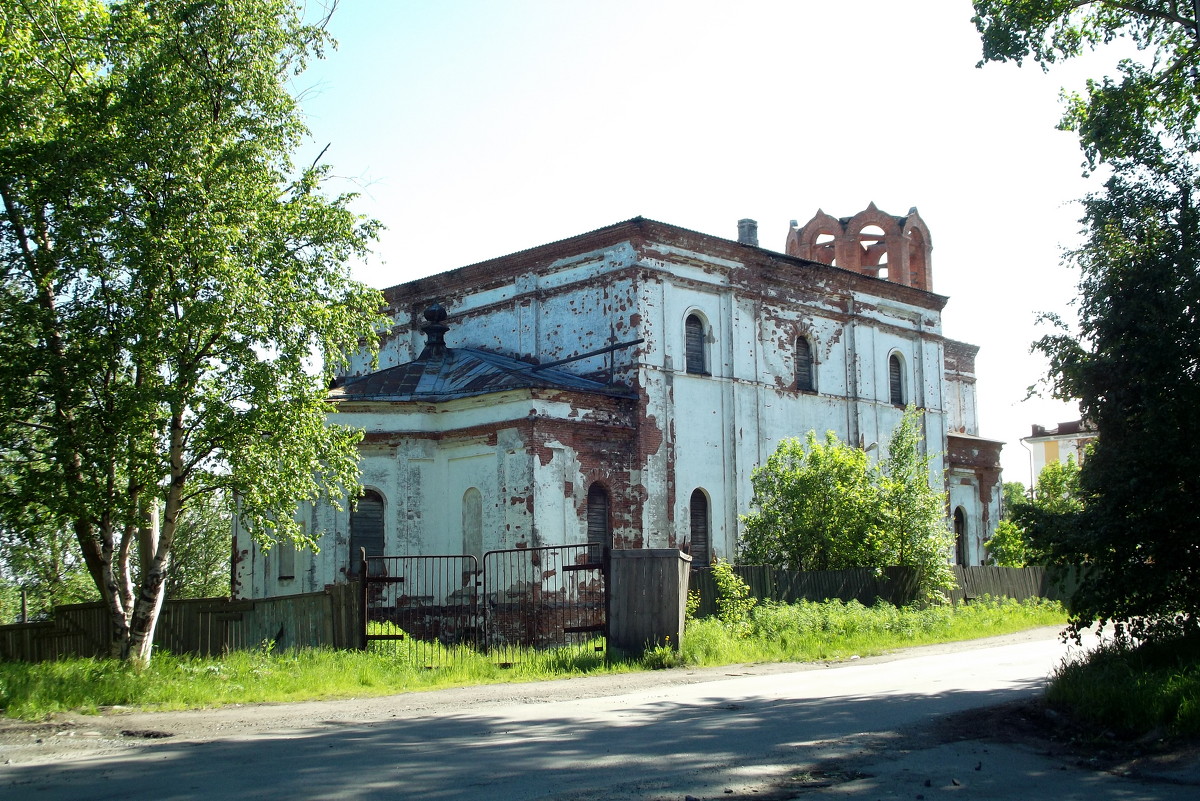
<point>156,542</point>
<point>152,590</point>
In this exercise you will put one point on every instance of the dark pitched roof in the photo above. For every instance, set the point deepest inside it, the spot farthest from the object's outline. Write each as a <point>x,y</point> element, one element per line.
<point>441,374</point>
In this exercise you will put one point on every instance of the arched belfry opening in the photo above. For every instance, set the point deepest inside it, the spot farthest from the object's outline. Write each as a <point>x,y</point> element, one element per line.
<point>872,242</point>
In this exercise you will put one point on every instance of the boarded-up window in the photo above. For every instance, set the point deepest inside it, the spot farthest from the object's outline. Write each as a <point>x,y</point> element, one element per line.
<point>960,536</point>
<point>694,345</point>
<point>366,529</point>
<point>895,380</point>
<point>472,523</point>
<point>599,527</point>
<point>804,366</point>
<point>701,536</point>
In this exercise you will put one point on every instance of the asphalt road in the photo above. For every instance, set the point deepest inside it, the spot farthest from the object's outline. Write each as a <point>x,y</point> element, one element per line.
<point>856,729</point>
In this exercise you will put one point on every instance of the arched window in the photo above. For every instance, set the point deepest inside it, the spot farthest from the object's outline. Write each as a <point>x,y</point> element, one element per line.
<point>599,525</point>
<point>472,523</point>
<point>805,375</point>
<point>896,386</point>
<point>366,529</point>
<point>701,530</point>
<point>695,348</point>
<point>960,536</point>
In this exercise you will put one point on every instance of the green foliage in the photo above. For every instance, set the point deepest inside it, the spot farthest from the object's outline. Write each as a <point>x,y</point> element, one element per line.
<point>815,505</point>
<point>1057,489</point>
<point>45,562</point>
<point>692,604</point>
<point>913,513</point>
<point>200,561</point>
<point>1134,370</point>
<point>1008,546</point>
<point>168,278</point>
<point>1013,496</point>
<point>662,657</point>
<point>734,602</point>
<point>1119,118</point>
<point>1131,690</point>
<point>824,506</point>
<point>1030,526</point>
<point>1131,363</point>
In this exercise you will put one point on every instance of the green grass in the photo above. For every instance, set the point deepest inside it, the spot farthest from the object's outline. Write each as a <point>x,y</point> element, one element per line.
<point>806,631</point>
<point>799,632</point>
<point>1130,691</point>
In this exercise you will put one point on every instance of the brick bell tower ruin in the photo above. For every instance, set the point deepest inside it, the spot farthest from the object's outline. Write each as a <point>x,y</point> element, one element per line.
<point>871,243</point>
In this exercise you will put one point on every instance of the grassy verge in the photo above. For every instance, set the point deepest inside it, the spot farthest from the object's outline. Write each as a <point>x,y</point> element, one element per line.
<point>806,632</point>
<point>1126,691</point>
<point>774,632</point>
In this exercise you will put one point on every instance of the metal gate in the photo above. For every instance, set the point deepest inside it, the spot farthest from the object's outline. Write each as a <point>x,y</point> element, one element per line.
<point>539,598</point>
<point>431,610</point>
<point>425,607</point>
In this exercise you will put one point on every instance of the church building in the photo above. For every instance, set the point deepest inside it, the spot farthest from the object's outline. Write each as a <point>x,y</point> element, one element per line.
<point>618,388</point>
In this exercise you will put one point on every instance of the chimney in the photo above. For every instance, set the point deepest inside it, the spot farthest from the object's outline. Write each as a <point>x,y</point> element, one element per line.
<point>748,232</point>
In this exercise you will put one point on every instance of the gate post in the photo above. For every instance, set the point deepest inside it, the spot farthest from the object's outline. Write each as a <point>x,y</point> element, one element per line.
<point>364,615</point>
<point>648,599</point>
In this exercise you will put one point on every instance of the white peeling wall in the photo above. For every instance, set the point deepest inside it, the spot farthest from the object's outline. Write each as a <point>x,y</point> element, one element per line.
<point>722,426</point>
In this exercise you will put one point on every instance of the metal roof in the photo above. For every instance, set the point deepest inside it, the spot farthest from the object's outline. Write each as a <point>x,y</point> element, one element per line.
<point>440,374</point>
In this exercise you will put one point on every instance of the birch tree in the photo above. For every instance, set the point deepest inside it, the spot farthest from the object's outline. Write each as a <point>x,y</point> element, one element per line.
<point>169,278</point>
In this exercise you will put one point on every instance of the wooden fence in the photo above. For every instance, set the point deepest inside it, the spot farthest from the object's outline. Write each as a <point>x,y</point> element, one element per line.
<point>201,626</point>
<point>896,585</point>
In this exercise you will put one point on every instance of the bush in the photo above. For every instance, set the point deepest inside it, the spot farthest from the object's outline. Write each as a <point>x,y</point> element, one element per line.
<point>733,598</point>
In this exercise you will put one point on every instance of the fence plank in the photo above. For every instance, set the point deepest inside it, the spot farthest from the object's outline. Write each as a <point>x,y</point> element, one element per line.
<point>198,626</point>
<point>897,585</point>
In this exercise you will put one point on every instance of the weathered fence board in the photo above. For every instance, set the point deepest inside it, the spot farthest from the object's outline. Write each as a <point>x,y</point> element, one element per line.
<point>896,585</point>
<point>200,626</point>
<point>647,590</point>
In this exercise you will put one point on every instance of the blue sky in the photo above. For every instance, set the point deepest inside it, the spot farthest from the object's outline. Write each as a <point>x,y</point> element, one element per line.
<point>475,128</point>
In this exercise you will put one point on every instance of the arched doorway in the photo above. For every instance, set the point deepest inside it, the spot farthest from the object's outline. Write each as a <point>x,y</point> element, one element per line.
<point>366,529</point>
<point>960,536</point>
<point>599,524</point>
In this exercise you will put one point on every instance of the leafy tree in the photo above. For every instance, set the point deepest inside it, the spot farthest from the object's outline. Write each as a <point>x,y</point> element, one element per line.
<point>40,558</point>
<point>1135,371</point>
<point>1029,525</point>
<point>1008,546</point>
<point>825,506</point>
<point>168,279</point>
<point>1118,119</point>
<point>44,562</point>
<point>816,507</point>
<point>1132,363</point>
<point>1013,495</point>
<point>734,602</point>
<point>915,530</point>
<point>200,565</point>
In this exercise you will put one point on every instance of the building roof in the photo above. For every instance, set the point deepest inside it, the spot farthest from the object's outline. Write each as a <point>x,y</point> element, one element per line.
<point>1073,428</point>
<point>763,264</point>
<point>441,373</point>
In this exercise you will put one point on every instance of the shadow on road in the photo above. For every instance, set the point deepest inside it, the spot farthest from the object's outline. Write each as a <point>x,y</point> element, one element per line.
<point>539,750</point>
